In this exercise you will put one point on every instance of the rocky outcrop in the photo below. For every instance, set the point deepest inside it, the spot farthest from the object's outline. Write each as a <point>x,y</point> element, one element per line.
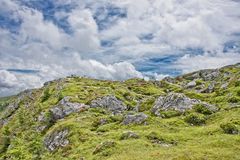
<point>174,101</point>
<point>206,75</point>
<point>111,103</point>
<point>65,108</point>
<point>138,118</point>
<point>56,139</point>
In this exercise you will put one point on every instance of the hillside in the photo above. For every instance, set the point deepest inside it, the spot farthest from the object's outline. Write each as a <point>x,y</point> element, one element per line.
<point>193,116</point>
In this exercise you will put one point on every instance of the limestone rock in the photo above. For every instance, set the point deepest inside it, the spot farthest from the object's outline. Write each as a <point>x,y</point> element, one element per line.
<point>191,84</point>
<point>173,101</point>
<point>138,118</point>
<point>111,103</point>
<point>65,108</point>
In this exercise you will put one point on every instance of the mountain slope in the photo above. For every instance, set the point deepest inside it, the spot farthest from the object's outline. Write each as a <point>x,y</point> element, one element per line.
<point>193,116</point>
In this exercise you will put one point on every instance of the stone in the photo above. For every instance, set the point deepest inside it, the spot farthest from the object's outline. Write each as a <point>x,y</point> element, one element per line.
<point>209,89</point>
<point>169,79</point>
<point>173,101</point>
<point>65,108</point>
<point>209,74</point>
<point>191,84</point>
<point>138,118</point>
<point>111,103</point>
<point>224,86</point>
<point>56,139</point>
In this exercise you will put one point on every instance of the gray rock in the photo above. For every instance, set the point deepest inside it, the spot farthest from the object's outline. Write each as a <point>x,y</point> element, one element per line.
<point>191,84</point>
<point>56,139</point>
<point>8,113</point>
<point>169,79</point>
<point>173,101</point>
<point>224,86</point>
<point>65,108</point>
<point>209,74</point>
<point>209,89</point>
<point>138,118</point>
<point>111,103</point>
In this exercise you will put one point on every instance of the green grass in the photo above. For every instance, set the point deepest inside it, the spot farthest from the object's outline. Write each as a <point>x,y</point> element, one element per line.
<point>196,134</point>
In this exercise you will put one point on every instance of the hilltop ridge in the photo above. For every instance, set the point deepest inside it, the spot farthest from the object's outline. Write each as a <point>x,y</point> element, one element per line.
<point>192,116</point>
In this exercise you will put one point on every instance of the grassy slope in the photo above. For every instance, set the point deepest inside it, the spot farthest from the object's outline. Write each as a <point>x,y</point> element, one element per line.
<point>192,142</point>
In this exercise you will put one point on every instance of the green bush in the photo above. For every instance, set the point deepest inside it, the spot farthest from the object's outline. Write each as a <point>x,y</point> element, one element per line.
<point>202,109</point>
<point>195,119</point>
<point>229,128</point>
<point>169,113</point>
<point>46,95</point>
<point>233,99</point>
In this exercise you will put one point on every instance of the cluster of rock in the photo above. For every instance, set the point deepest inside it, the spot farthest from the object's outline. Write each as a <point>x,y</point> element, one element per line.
<point>7,114</point>
<point>176,101</point>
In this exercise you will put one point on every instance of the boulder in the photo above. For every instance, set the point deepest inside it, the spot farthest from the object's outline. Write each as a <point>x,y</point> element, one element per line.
<point>65,108</point>
<point>224,86</point>
<point>169,79</point>
<point>173,101</point>
<point>56,139</point>
<point>138,118</point>
<point>111,103</point>
<point>191,84</point>
<point>209,89</point>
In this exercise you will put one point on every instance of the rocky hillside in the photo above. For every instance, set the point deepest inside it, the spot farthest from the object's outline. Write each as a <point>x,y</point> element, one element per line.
<point>194,116</point>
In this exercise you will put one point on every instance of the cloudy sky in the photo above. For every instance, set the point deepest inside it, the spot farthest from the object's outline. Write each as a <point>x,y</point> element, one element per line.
<point>41,40</point>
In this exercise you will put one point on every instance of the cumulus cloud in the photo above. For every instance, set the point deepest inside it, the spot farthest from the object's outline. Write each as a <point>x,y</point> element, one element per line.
<point>131,32</point>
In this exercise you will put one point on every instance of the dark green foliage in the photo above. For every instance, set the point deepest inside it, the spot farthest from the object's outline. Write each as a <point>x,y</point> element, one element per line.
<point>234,99</point>
<point>229,128</point>
<point>195,119</point>
<point>170,113</point>
<point>158,139</point>
<point>46,95</point>
<point>200,108</point>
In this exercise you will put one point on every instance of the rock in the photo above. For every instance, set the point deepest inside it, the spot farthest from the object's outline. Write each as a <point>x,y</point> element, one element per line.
<point>6,116</point>
<point>169,79</point>
<point>224,86</point>
<point>111,103</point>
<point>129,135</point>
<point>65,108</point>
<point>209,74</point>
<point>56,139</point>
<point>103,146</point>
<point>191,84</point>
<point>209,89</point>
<point>173,101</point>
<point>138,118</point>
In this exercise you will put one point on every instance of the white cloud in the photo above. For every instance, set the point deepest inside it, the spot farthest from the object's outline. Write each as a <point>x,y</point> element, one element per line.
<point>189,63</point>
<point>42,45</point>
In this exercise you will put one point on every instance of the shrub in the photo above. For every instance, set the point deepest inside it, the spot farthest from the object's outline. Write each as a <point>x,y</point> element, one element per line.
<point>229,128</point>
<point>157,139</point>
<point>46,95</point>
<point>195,119</point>
<point>170,113</point>
<point>202,109</point>
<point>233,99</point>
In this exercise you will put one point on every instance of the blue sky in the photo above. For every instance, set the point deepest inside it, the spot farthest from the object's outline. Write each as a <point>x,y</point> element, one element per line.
<point>42,40</point>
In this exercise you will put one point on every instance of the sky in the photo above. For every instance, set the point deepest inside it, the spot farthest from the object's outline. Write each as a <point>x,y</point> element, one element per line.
<point>42,40</point>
